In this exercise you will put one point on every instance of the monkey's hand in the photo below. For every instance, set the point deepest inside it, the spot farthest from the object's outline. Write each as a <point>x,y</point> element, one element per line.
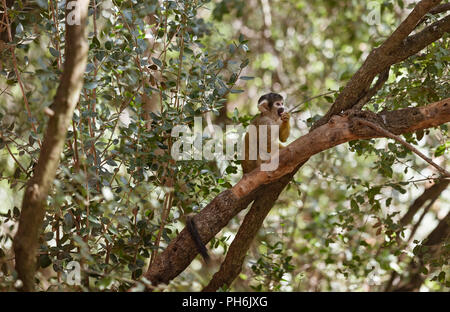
<point>285,117</point>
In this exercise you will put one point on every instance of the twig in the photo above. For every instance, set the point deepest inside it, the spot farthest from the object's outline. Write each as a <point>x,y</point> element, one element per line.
<point>382,78</point>
<point>388,134</point>
<point>55,22</point>
<point>17,162</point>
<point>3,91</point>
<point>309,99</point>
<point>16,70</point>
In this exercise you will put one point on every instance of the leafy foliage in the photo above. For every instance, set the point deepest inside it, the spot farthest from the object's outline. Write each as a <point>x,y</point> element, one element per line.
<point>119,197</point>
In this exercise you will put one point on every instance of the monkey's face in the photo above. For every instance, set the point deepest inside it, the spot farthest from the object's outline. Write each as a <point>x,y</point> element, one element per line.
<point>278,107</point>
<point>273,108</point>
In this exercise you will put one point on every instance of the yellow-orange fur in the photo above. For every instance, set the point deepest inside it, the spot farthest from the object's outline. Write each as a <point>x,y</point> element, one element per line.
<point>269,106</point>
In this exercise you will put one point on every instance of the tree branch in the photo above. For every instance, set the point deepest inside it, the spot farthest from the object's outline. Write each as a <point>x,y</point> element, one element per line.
<point>6,32</point>
<point>232,264</point>
<point>440,8</point>
<point>34,200</point>
<point>408,25</point>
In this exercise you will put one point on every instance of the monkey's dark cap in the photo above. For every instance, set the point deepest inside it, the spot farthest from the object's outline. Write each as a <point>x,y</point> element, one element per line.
<point>270,97</point>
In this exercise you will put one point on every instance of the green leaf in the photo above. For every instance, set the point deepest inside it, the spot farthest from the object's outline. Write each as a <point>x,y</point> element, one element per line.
<point>68,220</point>
<point>245,63</point>
<point>388,201</point>
<point>44,261</point>
<point>354,205</point>
<point>157,62</point>
<point>95,42</point>
<point>108,45</point>
<point>16,212</point>
<point>90,85</point>
<point>440,150</point>
<point>19,29</point>
<point>441,277</point>
<point>53,52</point>
<point>48,236</point>
<point>329,99</point>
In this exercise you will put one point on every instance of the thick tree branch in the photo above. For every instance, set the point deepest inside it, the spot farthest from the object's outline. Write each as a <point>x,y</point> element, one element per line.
<point>232,264</point>
<point>417,42</point>
<point>182,250</point>
<point>34,200</point>
<point>340,129</point>
<point>440,8</point>
<point>408,25</point>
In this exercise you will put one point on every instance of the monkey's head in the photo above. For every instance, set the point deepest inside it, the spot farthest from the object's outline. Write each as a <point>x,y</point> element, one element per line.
<point>271,104</point>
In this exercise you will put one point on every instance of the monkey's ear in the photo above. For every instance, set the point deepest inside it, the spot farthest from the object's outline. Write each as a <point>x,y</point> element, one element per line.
<point>263,106</point>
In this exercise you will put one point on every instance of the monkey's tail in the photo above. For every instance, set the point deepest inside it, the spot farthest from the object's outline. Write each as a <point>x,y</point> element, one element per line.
<point>192,229</point>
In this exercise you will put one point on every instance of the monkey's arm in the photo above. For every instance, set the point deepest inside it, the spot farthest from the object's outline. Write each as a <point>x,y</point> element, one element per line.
<point>285,128</point>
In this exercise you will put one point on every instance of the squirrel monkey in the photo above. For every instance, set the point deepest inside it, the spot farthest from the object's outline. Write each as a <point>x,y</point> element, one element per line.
<point>272,110</point>
<point>271,106</point>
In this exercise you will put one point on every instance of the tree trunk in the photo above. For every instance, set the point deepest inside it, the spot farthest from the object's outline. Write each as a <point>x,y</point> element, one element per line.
<point>37,189</point>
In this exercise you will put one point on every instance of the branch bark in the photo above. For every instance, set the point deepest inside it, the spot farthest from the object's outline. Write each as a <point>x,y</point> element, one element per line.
<point>182,250</point>
<point>232,264</point>
<point>34,200</point>
<point>440,8</point>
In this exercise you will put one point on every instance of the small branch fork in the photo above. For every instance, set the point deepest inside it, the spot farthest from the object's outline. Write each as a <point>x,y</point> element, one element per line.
<point>382,78</point>
<point>388,134</point>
